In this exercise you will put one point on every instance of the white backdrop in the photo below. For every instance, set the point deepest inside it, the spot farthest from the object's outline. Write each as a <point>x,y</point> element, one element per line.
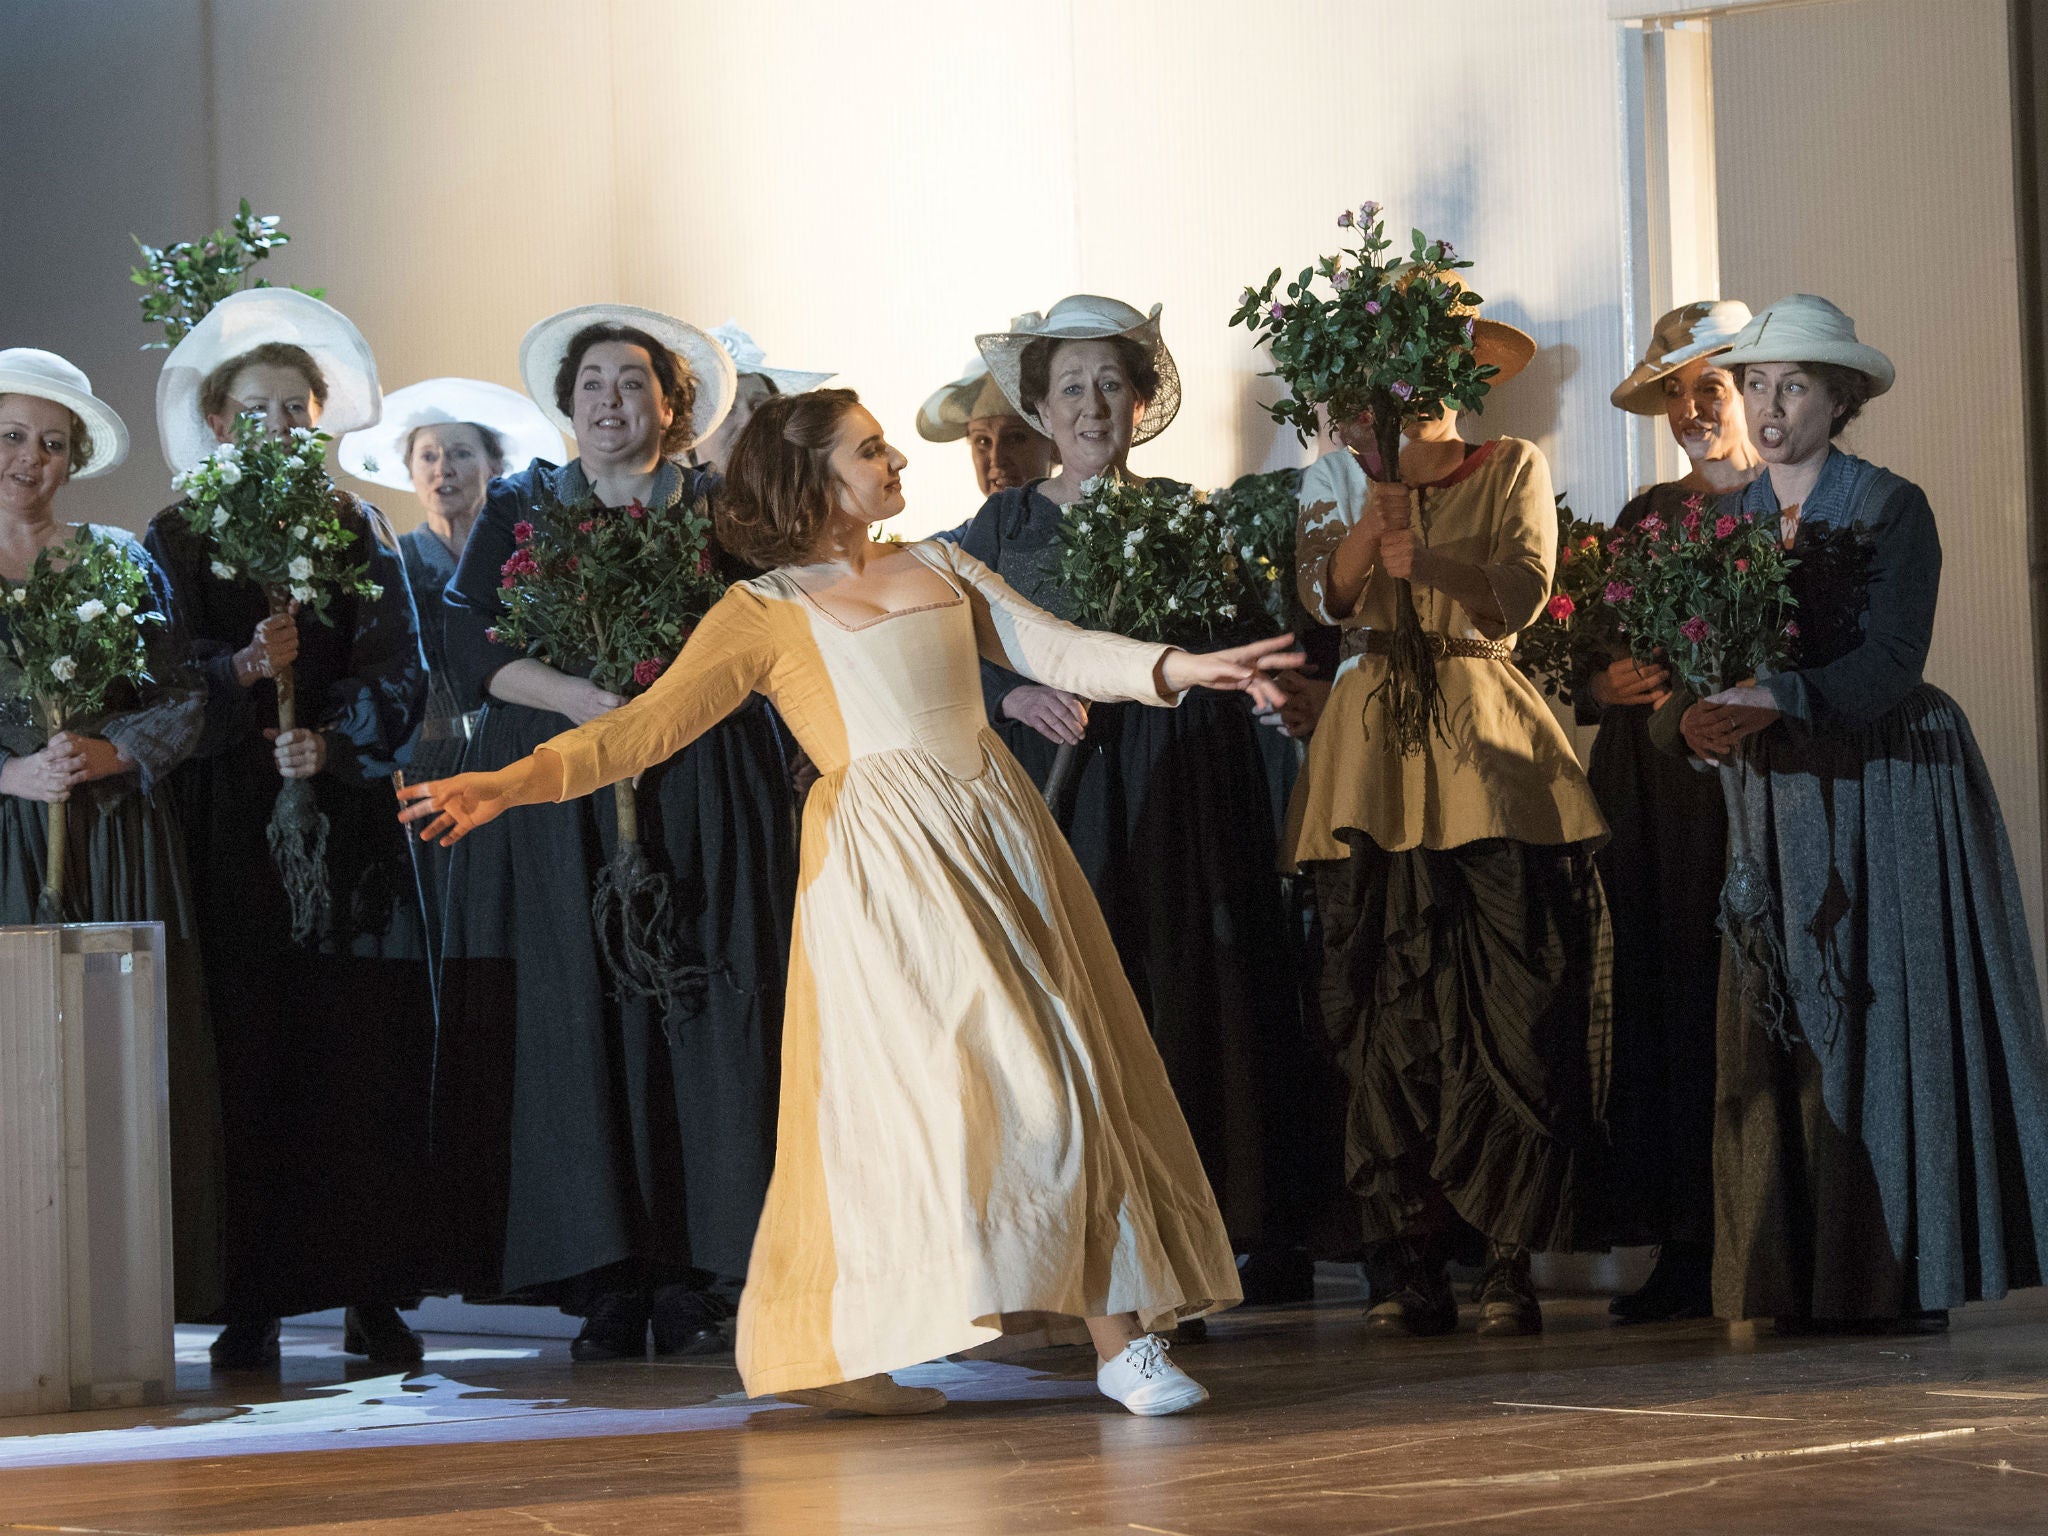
<point>863,187</point>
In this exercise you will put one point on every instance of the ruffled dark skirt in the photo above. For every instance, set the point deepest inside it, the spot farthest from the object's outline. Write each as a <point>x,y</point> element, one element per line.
<point>124,862</point>
<point>1661,868</point>
<point>1465,991</point>
<point>1895,1159</point>
<point>1171,817</point>
<point>582,1143</point>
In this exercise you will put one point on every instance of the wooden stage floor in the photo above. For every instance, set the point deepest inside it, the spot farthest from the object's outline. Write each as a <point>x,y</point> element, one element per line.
<point>1314,1427</point>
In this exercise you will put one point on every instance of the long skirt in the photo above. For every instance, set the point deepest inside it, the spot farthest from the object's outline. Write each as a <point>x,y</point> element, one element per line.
<point>324,1047</point>
<point>1893,1158</point>
<point>1466,995</point>
<point>583,1141</point>
<point>1662,869</point>
<point>124,862</point>
<point>1170,817</point>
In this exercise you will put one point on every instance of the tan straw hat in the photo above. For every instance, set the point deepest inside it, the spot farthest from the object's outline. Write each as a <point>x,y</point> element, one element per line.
<point>377,454</point>
<point>46,376</point>
<point>1806,329</point>
<point>1687,334</point>
<point>238,324</point>
<point>541,353</point>
<point>974,395</point>
<point>1084,317</point>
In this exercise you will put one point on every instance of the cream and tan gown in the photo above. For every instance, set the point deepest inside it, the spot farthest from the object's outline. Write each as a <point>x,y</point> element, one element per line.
<point>976,1132</point>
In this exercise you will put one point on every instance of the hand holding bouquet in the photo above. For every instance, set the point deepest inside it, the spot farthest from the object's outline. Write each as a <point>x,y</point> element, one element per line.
<point>75,631</point>
<point>1359,335</point>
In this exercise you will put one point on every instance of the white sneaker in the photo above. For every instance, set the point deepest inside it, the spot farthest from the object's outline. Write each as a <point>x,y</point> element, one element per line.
<point>881,1396</point>
<point>1146,1382</point>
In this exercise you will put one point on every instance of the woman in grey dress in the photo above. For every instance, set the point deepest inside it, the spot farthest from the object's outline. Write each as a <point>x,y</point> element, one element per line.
<point>1881,1135</point>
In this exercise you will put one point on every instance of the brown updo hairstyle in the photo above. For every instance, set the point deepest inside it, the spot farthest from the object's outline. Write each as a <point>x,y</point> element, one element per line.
<point>1034,368</point>
<point>1849,389</point>
<point>214,392</point>
<point>779,485</point>
<point>678,384</point>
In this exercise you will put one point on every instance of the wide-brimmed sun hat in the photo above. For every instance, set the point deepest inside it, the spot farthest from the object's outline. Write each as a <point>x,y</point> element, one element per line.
<point>975,395</point>
<point>1804,328</point>
<point>1507,349</point>
<point>1689,333</point>
<point>1083,317</point>
<point>747,357</point>
<point>541,353</point>
<point>45,375</point>
<point>377,454</point>
<point>238,324</point>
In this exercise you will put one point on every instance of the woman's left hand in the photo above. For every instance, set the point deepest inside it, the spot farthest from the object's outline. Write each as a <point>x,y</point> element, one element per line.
<point>102,759</point>
<point>1717,726</point>
<point>300,753</point>
<point>1245,668</point>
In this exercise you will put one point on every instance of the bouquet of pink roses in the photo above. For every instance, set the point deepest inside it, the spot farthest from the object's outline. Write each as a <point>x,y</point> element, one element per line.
<point>1577,624</point>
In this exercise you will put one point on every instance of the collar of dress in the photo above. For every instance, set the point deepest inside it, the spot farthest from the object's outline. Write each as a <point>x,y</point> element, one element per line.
<point>1834,500</point>
<point>672,483</point>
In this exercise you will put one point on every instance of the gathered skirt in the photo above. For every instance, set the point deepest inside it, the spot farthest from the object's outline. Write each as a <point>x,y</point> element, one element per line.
<point>1466,992</point>
<point>1893,1158</point>
<point>976,1132</point>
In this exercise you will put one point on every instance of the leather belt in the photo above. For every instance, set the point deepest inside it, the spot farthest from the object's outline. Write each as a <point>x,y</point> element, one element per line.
<point>1380,642</point>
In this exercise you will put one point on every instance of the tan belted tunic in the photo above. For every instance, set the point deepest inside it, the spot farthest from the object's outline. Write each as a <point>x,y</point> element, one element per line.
<point>1507,768</point>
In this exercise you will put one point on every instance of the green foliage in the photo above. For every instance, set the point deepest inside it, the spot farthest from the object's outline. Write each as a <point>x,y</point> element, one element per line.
<point>1151,559</point>
<point>75,627</point>
<point>1577,625</point>
<point>1359,334</point>
<point>1708,598</point>
<point>182,281</point>
<point>1260,514</point>
<point>611,592</point>
<point>269,513</point>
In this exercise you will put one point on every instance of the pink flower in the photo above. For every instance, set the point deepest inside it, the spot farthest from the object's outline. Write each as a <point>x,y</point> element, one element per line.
<point>491,635</point>
<point>521,563</point>
<point>645,672</point>
<point>1650,526</point>
<point>1792,631</point>
<point>1372,306</point>
<point>1691,522</point>
<point>1468,332</point>
<point>1561,607</point>
<point>1740,565</point>
<point>1340,281</point>
<point>1276,311</point>
<point>1445,247</point>
<point>1403,390</point>
<point>636,511</point>
<point>1695,629</point>
<point>587,525</point>
<point>1344,219</point>
<point>704,563</point>
<point>506,583</point>
<point>1725,527</point>
<point>1618,592</point>
<point>574,562</point>
<point>1368,211</point>
<point>522,532</point>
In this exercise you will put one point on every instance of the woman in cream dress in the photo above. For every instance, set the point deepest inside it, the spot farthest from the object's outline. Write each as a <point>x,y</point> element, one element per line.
<point>976,1131</point>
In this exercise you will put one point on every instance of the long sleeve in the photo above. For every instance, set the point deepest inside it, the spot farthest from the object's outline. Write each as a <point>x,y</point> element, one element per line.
<point>1015,634</point>
<point>1332,498</point>
<point>1523,559</point>
<point>164,727</point>
<point>1904,587</point>
<point>470,602</point>
<point>372,709</point>
<point>983,539</point>
<point>726,658</point>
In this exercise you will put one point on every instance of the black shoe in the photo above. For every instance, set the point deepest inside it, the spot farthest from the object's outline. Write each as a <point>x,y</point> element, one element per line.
<point>379,1332</point>
<point>615,1329</point>
<point>688,1322</point>
<point>1507,1297</point>
<point>1412,1292</point>
<point>1681,1286</point>
<point>246,1346</point>
<point>1275,1277</point>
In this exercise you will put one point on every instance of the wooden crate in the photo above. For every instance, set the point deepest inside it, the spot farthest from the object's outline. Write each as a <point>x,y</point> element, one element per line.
<point>85,1204</point>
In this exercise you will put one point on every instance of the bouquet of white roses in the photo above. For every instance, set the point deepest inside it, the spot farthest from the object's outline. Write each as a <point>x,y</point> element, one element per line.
<point>268,513</point>
<point>1151,559</point>
<point>75,633</point>
<point>1260,513</point>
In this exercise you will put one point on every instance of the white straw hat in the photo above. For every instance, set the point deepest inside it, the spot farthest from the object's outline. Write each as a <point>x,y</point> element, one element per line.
<point>1084,317</point>
<point>377,454</point>
<point>747,357</point>
<point>45,375</point>
<point>1687,334</point>
<point>541,353</point>
<point>943,418</point>
<point>243,321</point>
<point>1807,329</point>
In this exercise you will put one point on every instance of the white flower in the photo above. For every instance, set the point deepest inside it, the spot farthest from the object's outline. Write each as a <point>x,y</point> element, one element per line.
<point>229,473</point>
<point>295,462</point>
<point>228,453</point>
<point>220,517</point>
<point>1081,526</point>
<point>223,570</point>
<point>123,610</point>
<point>301,435</point>
<point>1228,610</point>
<point>18,595</point>
<point>303,593</point>
<point>63,669</point>
<point>181,479</point>
<point>320,541</point>
<point>301,569</point>
<point>1173,605</point>
<point>1134,538</point>
<point>298,530</point>
<point>374,591</point>
<point>1246,552</point>
<point>92,608</point>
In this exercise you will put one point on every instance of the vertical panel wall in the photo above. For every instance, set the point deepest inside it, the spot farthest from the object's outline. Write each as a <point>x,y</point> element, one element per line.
<point>1865,153</point>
